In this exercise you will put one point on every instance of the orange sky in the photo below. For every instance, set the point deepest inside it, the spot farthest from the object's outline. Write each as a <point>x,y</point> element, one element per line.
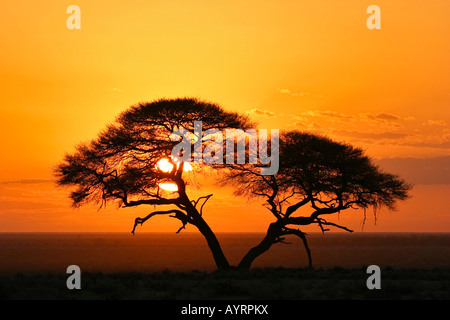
<point>311,65</point>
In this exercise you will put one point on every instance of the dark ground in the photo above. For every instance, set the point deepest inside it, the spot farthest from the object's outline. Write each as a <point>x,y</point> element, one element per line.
<point>258,284</point>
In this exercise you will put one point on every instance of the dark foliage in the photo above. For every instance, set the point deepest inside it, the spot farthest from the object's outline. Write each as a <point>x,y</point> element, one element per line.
<point>318,175</point>
<point>120,165</point>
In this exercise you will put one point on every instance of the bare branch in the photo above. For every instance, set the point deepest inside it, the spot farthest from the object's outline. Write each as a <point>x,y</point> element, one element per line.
<point>321,221</point>
<point>206,199</point>
<point>281,240</point>
<point>293,208</point>
<point>142,220</point>
<point>195,202</point>
<point>183,218</point>
<point>302,236</point>
<point>286,198</point>
<point>157,201</point>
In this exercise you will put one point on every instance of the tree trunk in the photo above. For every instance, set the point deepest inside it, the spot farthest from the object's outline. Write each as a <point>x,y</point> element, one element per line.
<point>305,244</point>
<point>213,244</point>
<point>198,221</point>
<point>272,233</point>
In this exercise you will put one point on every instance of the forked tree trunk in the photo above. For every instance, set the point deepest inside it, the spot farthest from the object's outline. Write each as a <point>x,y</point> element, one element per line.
<point>272,233</point>
<point>213,244</point>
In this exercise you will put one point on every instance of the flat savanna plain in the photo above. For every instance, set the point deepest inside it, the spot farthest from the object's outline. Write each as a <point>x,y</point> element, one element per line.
<point>180,266</point>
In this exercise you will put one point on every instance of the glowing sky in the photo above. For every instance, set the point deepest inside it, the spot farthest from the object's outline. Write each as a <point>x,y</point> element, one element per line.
<point>311,65</point>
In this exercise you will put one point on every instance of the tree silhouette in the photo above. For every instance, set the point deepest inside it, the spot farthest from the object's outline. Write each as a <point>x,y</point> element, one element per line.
<point>317,177</point>
<point>124,165</point>
<point>121,164</point>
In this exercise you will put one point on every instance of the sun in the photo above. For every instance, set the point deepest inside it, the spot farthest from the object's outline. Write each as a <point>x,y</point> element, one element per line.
<point>168,186</point>
<point>166,166</point>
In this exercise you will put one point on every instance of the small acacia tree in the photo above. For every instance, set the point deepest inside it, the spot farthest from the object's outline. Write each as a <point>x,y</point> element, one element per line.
<point>317,177</point>
<point>122,164</point>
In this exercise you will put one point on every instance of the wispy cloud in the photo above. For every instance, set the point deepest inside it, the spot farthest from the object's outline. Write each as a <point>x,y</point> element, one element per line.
<point>260,112</point>
<point>285,91</point>
<point>371,135</point>
<point>334,115</point>
<point>25,193</point>
<point>382,128</point>
<point>26,181</point>
<point>326,114</point>
<point>433,170</point>
<point>297,94</point>
<point>383,117</point>
<point>434,123</point>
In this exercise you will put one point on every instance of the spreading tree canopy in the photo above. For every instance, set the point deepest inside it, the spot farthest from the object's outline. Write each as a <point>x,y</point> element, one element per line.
<point>317,177</point>
<point>130,161</point>
<point>122,164</point>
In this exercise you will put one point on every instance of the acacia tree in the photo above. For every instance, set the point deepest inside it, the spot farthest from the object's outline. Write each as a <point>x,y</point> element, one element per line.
<point>317,177</point>
<point>121,164</point>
